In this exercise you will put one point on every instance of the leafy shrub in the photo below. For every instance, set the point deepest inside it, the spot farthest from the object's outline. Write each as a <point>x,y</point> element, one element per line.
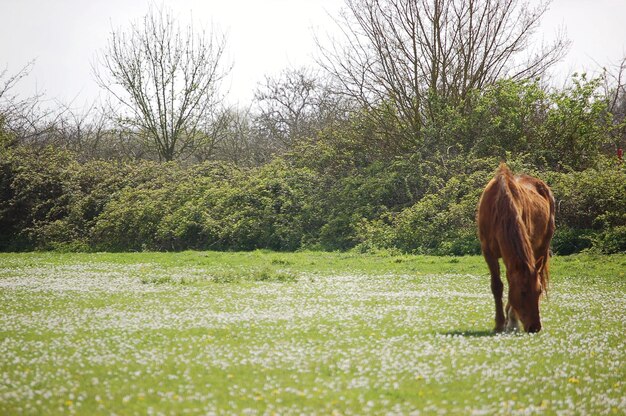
<point>130,221</point>
<point>611,240</point>
<point>569,240</point>
<point>271,207</point>
<point>366,178</point>
<point>504,117</point>
<point>576,127</point>
<point>440,223</point>
<point>34,193</point>
<point>594,198</point>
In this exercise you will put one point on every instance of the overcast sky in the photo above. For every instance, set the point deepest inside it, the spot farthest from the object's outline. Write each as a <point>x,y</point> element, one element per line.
<point>263,37</point>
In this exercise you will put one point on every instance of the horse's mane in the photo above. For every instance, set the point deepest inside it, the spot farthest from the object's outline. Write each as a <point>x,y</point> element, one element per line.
<point>515,242</point>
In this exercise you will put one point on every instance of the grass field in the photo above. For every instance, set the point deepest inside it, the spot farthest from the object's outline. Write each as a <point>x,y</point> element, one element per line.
<point>301,333</point>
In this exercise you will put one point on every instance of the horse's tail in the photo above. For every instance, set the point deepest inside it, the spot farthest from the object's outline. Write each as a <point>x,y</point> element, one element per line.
<point>503,172</point>
<point>509,192</point>
<point>518,242</point>
<point>508,188</point>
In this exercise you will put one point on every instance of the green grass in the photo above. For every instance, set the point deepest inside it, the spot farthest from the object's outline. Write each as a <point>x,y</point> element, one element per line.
<point>321,333</point>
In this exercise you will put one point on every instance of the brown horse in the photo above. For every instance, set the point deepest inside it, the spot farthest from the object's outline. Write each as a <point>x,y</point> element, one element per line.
<point>516,222</point>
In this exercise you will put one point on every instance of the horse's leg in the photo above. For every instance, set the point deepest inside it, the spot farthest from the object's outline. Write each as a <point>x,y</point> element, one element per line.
<point>512,323</point>
<point>496,288</point>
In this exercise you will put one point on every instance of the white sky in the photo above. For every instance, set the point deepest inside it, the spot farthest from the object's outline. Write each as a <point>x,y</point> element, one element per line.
<point>264,37</point>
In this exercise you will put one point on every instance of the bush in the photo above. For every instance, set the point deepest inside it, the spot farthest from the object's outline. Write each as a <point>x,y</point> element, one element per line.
<point>611,240</point>
<point>271,207</point>
<point>441,223</point>
<point>35,192</point>
<point>369,180</point>
<point>130,220</point>
<point>568,240</point>
<point>592,199</point>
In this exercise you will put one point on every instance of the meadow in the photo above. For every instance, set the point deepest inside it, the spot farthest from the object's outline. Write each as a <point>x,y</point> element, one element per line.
<point>302,333</point>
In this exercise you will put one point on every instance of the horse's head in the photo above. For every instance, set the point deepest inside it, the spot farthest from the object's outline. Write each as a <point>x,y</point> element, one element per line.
<point>524,293</point>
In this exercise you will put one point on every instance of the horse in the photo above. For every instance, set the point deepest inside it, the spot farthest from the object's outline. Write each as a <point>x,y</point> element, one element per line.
<point>515,221</point>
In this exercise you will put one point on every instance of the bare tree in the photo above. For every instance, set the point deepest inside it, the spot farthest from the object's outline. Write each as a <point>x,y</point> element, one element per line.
<point>163,79</point>
<point>7,83</point>
<point>13,108</point>
<point>404,53</point>
<point>28,119</point>
<point>82,130</point>
<point>295,105</point>
<point>237,140</point>
<point>36,121</point>
<point>615,93</point>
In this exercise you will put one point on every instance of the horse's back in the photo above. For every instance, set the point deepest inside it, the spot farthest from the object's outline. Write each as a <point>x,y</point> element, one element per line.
<point>532,200</point>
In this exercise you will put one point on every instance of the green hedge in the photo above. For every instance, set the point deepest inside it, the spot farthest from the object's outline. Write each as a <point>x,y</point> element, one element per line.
<point>366,182</point>
<point>50,201</point>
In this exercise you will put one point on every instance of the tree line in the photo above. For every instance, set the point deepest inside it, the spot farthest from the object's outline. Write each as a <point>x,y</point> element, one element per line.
<point>385,145</point>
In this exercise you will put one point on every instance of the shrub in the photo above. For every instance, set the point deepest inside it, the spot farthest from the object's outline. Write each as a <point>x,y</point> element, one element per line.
<point>273,207</point>
<point>440,223</point>
<point>51,201</point>
<point>611,240</point>
<point>592,199</point>
<point>35,192</point>
<point>130,221</point>
<point>569,240</point>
